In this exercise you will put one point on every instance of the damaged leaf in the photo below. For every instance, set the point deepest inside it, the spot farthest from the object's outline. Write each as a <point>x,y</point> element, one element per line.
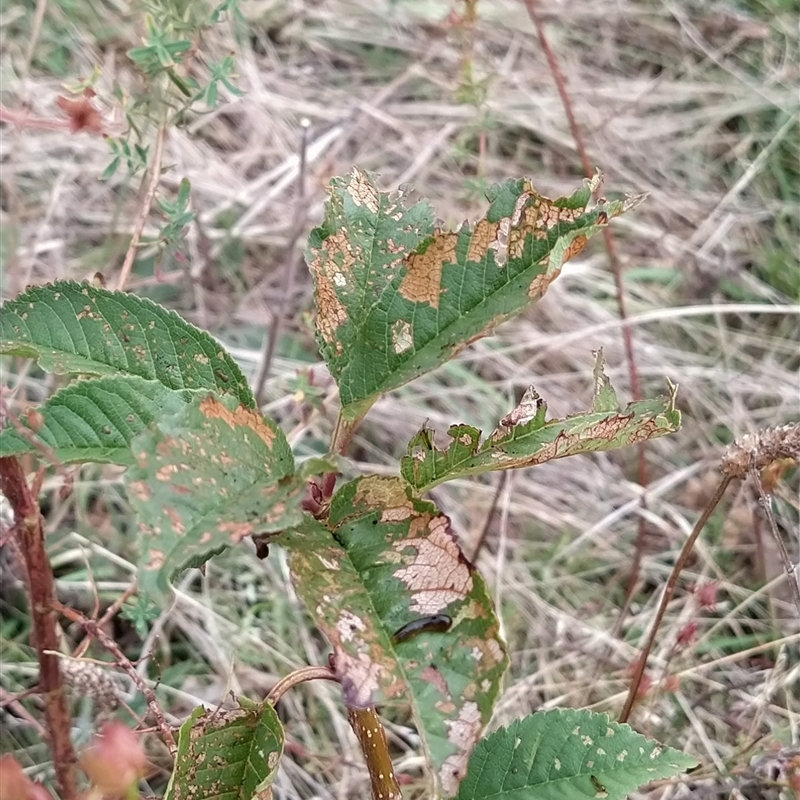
<point>231,754</point>
<point>390,559</point>
<point>78,328</point>
<point>397,297</point>
<point>526,437</point>
<point>204,479</point>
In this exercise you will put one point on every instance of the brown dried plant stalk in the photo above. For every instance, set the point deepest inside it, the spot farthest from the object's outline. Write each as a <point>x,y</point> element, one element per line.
<point>29,533</point>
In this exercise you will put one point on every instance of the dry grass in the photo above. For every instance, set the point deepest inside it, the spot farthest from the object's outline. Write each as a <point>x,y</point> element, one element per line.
<point>694,104</point>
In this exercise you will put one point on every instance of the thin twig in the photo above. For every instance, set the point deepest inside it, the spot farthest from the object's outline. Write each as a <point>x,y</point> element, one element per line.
<point>144,209</point>
<point>766,503</point>
<point>290,259</point>
<point>489,517</point>
<point>46,453</point>
<point>616,271</point>
<point>123,662</point>
<point>296,678</point>
<point>12,702</point>
<point>109,614</point>
<point>29,534</point>
<point>669,590</point>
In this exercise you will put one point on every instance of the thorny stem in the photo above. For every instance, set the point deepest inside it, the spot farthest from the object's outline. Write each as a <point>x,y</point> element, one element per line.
<point>669,590</point>
<point>616,270</point>
<point>109,614</point>
<point>123,662</point>
<point>144,209</point>
<point>30,536</point>
<point>296,678</point>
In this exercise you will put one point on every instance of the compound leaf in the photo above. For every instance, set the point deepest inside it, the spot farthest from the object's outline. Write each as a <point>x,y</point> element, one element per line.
<point>204,479</point>
<point>93,420</point>
<point>78,328</point>
<point>387,561</point>
<point>396,297</point>
<point>566,754</point>
<point>227,755</point>
<point>526,437</point>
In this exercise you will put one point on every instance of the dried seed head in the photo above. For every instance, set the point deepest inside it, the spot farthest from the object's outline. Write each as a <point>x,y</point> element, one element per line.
<point>89,680</point>
<point>761,449</point>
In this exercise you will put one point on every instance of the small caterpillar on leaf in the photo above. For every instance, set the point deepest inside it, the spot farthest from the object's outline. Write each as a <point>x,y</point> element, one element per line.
<point>435,622</point>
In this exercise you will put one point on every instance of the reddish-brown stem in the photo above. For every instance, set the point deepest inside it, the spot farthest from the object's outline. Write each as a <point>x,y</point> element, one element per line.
<point>123,662</point>
<point>24,119</point>
<point>109,614</point>
<point>616,271</point>
<point>296,678</point>
<point>669,590</point>
<point>30,536</point>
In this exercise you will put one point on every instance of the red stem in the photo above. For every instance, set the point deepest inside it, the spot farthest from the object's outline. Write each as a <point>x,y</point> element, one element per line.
<point>30,535</point>
<point>616,271</point>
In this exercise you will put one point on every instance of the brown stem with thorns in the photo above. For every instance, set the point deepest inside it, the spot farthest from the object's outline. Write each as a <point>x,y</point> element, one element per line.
<point>616,270</point>
<point>669,590</point>
<point>123,662</point>
<point>29,533</point>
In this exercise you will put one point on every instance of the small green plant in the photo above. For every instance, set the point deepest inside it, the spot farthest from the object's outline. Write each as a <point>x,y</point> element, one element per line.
<point>408,617</point>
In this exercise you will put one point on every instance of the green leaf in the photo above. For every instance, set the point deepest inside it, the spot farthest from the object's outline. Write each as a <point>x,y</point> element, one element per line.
<point>567,754</point>
<point>526,437</point>
<point>73,327</point>
<point>227,755</point>
<point>95,420</point>
<point>396,297</point>
<point>389,560</point>
<point>204,479</point>
<point>109,171</point>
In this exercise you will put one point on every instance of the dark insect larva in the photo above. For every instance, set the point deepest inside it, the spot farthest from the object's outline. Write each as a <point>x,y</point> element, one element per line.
<point>435,622</point>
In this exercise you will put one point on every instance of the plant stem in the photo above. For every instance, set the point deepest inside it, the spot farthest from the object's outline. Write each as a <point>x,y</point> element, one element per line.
<point>765,500</point>
<point>296,678</point>
<point>368,728</point>
<point>616,271</point>
<point>123,662</point>
<point>41,591</point>
<point>144,209</point>
<point>669,590</point>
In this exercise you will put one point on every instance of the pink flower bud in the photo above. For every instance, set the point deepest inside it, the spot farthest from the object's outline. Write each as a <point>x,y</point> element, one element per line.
<point>114,760</point>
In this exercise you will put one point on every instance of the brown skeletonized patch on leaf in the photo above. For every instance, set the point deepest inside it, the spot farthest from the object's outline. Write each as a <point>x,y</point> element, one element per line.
<point>526,437</point>
<point>379,266</point>
<point>397,564</point>
<point>423,278</point>
<point>204,479</point>
<point>439,574</point>
<point>464,731</point>
<point>237,418</point>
